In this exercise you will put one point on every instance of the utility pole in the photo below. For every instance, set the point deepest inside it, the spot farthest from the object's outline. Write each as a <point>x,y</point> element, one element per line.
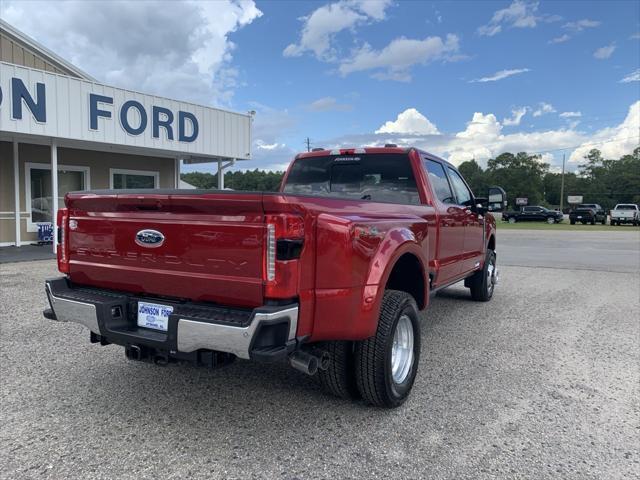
<point>562,185</point>
<point>308,142</point>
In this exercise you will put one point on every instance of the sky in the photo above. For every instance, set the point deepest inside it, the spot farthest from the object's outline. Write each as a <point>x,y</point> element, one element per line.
<point>461,79</point>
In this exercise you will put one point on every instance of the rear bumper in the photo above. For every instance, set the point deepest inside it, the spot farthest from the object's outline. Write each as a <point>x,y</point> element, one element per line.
<point>267,332</point>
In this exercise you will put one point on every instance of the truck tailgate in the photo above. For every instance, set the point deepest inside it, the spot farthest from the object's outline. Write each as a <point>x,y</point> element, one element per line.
<point>210,247</point>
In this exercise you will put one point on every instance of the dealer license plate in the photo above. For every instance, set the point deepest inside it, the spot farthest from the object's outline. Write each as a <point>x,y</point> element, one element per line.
<point>154,315</point>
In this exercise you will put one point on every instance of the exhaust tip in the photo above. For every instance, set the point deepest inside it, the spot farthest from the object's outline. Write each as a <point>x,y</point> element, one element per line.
<point>304,362</point>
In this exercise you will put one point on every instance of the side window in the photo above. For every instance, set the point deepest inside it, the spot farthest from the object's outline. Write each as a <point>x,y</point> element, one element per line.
<point>462,191</point>
<point>439,181</point>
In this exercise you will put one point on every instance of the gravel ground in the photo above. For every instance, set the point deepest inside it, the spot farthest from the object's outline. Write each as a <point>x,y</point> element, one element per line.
<point>542,382</point>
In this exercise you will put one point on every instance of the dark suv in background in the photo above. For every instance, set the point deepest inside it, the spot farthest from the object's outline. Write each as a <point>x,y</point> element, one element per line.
<point>533,214</point>
<point>588,213</point>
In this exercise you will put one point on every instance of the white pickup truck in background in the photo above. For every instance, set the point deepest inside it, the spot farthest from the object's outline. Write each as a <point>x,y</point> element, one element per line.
<point>625,213</point>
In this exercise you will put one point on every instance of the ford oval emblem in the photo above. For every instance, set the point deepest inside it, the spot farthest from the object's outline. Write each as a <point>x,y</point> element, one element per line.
<point>149,238</point>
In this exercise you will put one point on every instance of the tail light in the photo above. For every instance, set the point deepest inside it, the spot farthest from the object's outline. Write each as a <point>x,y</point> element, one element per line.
<point>283,246</point>
<point>63,240</point>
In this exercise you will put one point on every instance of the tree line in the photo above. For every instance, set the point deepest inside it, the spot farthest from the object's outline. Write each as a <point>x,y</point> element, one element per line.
<point>249,180</point>
<point>598,179</point>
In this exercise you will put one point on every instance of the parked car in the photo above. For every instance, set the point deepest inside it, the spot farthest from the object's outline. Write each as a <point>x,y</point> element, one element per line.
<point>588,213</point>
<point>533,214</point>
<point>625,213</point>
<point>328,274</point>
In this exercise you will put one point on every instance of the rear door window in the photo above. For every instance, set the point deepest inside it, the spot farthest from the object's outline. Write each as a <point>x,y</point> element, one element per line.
<point>439,181</point>
<point>376,177</point>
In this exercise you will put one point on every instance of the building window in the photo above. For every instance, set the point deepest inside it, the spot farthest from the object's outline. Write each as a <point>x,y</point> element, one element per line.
<point>133,179</point>
<point>38,190</point>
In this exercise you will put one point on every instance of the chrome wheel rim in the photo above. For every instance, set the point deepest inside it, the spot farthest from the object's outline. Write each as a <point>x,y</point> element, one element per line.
<point>550,220</point>
<point>402,350</point>
<point>491,268</point>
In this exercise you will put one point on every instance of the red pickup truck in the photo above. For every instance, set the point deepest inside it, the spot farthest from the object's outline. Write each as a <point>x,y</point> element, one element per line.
<point>329,273</point>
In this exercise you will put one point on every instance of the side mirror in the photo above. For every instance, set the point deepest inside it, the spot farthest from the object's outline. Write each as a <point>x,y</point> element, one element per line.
<point>497,199</point>
<point>479,206</point>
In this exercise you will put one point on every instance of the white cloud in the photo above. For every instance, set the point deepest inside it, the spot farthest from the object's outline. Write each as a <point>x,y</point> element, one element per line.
<point>544,108</point>
<point>520,14</point>
<point>632,77</point>
<point>635,36</point>
<point>571,114</point>
<point>603,53</point>
<point>324,23</point>
<point>502,74</point>
<point>328,104</point>
<point>270,124</point>
<point>482,138</point>
<point>140,45</point>
<point>613,142</point>
<point>516,117</point>
<point>411,121</point>
<point>580,25</point>
<point>268,146</point>
<point>560,39</point>
<point>396,59</point>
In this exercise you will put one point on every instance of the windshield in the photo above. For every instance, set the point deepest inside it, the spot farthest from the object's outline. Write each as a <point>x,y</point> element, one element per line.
<point>375,177</point>
<point>587,205</point>
<point>625,207</point>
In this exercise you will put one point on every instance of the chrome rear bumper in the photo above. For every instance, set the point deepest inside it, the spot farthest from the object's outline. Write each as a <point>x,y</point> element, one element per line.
<point>265,331</point>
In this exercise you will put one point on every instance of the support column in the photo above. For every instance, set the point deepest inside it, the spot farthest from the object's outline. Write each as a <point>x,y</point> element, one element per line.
<point>220,175</point>
<point>16,191</point>
<point>177,170</point>
<point>54,192</point>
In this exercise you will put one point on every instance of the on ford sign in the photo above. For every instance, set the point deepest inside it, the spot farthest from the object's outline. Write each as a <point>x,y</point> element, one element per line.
<point>149,238</point>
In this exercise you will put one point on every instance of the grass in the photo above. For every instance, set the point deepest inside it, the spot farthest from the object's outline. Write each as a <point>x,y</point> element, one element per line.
<point>565,225</point>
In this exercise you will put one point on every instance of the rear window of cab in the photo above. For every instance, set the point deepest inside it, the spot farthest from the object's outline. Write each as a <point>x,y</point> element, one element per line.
<point>375,177</point>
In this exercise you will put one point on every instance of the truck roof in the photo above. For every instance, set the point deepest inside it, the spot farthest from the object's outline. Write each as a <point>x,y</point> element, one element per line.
<point>361,150</point>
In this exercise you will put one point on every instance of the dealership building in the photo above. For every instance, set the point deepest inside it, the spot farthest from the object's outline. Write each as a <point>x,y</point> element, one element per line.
<point>61,130</point>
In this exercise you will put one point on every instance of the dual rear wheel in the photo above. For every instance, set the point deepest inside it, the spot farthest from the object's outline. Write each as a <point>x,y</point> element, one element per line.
<point>382,369</point>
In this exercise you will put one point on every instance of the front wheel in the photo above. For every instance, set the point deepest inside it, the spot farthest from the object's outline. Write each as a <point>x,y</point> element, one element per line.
<point>572,222</point>
<point>512,220</point>
<point>551,220</point>
<point>613,223</point>
<point>386,364</point>
<point>483,282</point>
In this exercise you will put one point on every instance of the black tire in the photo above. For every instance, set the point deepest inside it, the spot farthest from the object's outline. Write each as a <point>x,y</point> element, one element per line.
<point>512,220</point>
<point>480,284</point>
<point>551,220</point>
<point>593,222</point>
<point>373,356</point>
<point>604,221</point>
<point>339,379</point>
<point>613,223</point>
<point>572,222</point>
